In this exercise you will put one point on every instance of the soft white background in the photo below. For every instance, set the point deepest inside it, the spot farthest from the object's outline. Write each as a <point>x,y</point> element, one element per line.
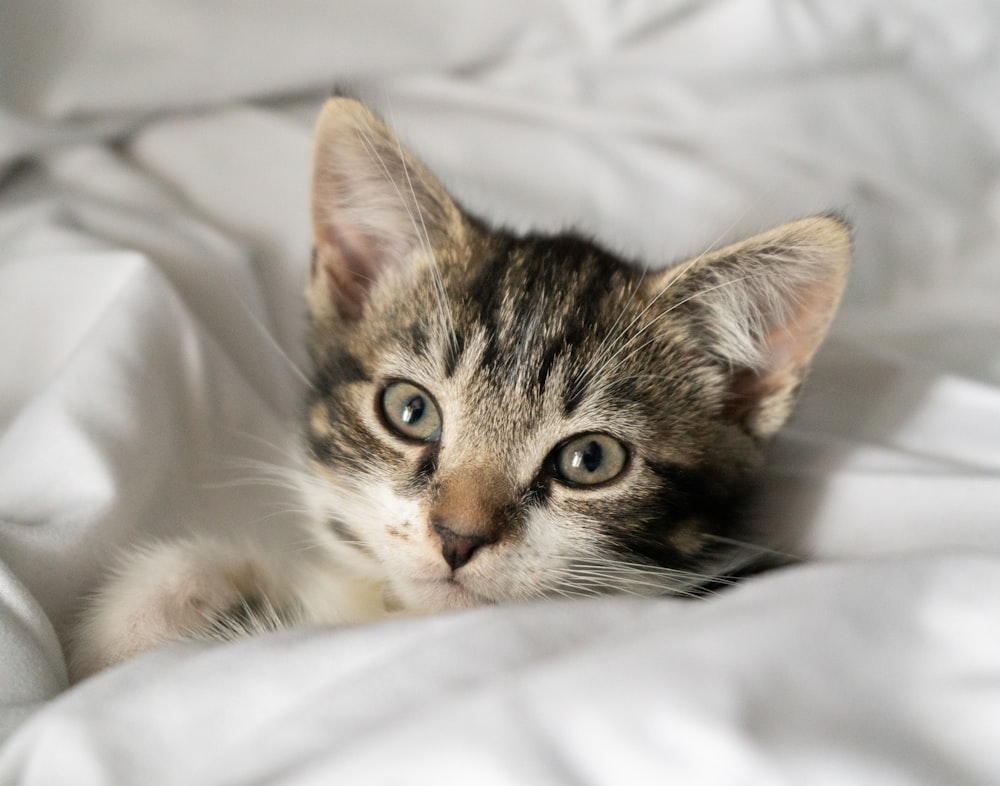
<point>153,247</point>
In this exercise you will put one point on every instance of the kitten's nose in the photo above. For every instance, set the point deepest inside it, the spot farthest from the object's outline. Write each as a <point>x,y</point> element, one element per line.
<point>456,548</point>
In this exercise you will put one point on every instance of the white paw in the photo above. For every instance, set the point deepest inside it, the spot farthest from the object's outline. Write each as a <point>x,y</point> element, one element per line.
<point>190,589</point>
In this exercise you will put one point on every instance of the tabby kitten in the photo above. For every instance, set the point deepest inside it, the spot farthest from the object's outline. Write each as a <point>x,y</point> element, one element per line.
<point>499,418</point>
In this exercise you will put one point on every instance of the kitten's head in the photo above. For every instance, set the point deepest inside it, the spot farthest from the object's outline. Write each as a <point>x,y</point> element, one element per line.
<point>498,417</point>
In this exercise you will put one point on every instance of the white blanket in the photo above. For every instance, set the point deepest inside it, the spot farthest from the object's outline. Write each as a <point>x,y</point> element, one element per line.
<point>153,248</point>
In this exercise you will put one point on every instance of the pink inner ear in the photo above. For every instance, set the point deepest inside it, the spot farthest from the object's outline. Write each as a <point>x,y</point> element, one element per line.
<point>349,261</point>
<point>786,351</point>
<point>790,345</point>
<point>748,388</point>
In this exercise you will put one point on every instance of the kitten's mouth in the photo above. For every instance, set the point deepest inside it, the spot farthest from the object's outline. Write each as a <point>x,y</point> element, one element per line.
<point>460,587</point>
<point>450,593</point>
<point>455,586</point>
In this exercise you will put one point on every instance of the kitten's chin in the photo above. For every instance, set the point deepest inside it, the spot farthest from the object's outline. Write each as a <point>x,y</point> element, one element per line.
<point>443,595</point>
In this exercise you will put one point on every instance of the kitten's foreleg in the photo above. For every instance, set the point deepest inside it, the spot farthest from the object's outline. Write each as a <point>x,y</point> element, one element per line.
<point>186,589</point>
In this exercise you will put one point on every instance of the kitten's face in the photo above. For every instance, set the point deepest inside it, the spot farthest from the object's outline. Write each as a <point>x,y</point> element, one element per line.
<point>499,418</point>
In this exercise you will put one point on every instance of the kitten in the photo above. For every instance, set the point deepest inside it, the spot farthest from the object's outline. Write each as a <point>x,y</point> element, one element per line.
<point>499,418</point>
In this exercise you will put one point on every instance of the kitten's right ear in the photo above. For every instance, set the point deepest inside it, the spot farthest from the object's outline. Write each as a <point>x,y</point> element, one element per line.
<point>374,208</point>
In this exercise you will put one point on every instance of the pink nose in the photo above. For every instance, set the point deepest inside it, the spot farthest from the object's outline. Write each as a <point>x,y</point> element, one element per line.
<point>456,548</point>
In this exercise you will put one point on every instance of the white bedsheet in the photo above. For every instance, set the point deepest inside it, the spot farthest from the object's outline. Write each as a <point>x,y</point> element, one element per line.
<point>153,247</point>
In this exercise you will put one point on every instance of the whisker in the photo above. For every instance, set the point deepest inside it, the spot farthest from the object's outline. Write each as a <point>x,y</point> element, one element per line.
<point>443,303</point>
<point>420,231</point>
<point>631,353</point>
<point>611,574</point>
<point>265,333</point>
<point>613,346</point>
<point>606,343</point>
<point>753,546</point>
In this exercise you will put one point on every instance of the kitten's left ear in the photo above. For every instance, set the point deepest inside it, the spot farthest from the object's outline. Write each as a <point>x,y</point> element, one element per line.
<point>374,205</point>
<point>765,306</point>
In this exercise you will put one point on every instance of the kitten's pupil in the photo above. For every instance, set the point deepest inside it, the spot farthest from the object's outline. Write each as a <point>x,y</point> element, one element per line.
<point>413,410</point>
<point>589,457</point>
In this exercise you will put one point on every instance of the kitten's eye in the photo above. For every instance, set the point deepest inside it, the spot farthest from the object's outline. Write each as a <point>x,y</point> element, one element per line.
<point>589,459</point>
<point>411,412</point>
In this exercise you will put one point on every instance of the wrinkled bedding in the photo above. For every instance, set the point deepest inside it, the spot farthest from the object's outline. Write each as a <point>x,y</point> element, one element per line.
<point>154,244</point>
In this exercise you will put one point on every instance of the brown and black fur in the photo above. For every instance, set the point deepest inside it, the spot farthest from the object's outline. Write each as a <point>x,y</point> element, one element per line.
<point>545,329</point>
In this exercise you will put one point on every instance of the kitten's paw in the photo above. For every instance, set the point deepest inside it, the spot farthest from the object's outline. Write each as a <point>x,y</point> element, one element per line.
<point>191,589</point>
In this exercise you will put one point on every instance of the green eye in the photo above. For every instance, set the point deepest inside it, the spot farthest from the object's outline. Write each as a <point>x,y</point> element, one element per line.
<point>589,459</point>
<point>411,412</point>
